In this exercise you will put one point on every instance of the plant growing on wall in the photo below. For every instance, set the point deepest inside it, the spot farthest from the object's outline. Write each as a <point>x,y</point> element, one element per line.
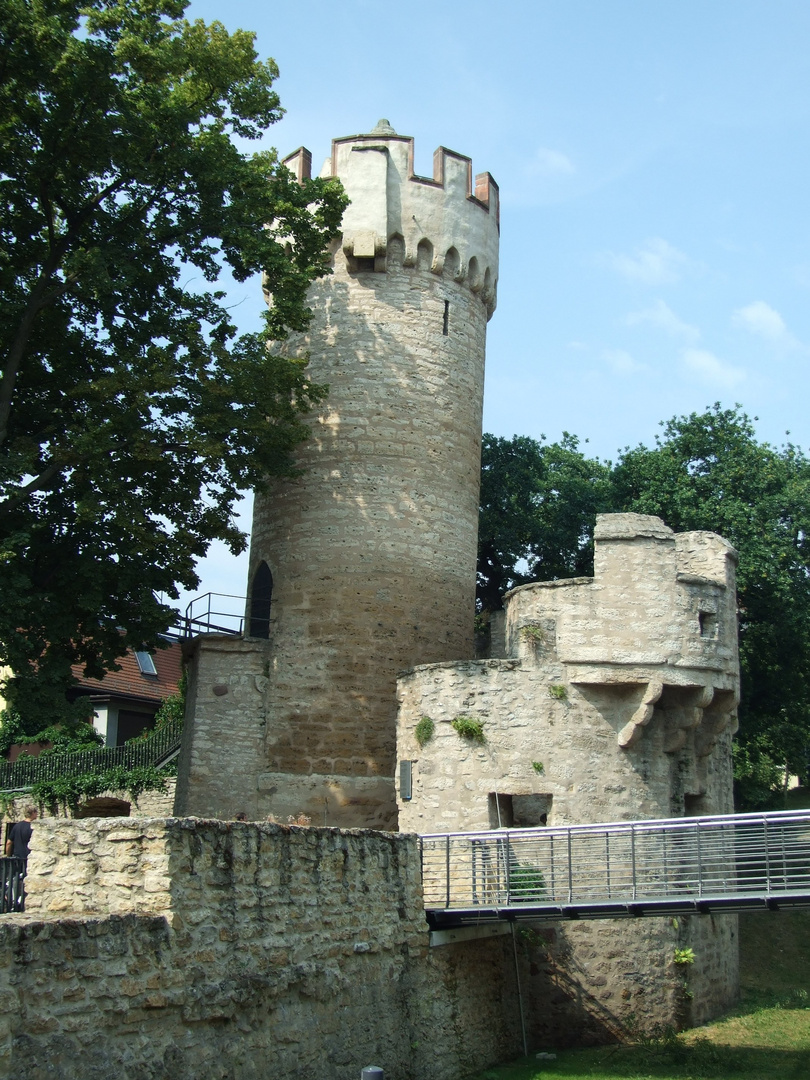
<point>423,731</point>
<point>683,956</point>
<point>469,728</point>
<point>558,692</point>
<point>536,635</point>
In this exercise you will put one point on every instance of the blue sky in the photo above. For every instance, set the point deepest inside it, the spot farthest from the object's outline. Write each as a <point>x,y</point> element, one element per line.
<point>653,163</point>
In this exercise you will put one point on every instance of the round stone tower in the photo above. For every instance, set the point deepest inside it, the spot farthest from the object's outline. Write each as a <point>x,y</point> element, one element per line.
<point>365,564</point>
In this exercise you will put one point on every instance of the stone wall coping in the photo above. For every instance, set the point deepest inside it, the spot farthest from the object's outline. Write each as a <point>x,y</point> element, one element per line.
<point>560,583</point>
<point>189,823</point>
<point>461,665</point>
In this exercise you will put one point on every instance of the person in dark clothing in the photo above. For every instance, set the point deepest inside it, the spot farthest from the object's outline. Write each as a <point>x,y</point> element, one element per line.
<point>19,839</point>
<point>18,845</point>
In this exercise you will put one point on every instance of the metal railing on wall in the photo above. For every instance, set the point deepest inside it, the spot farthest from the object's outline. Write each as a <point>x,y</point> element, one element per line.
<point>156,750</point>
<point>214,613</point>
<point>730,862</point>
<point>12,890</point>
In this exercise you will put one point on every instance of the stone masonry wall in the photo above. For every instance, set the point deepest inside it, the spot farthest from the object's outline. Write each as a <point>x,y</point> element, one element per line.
<point>202,949</point>
<point>372,547</point>
<point>616,702</point>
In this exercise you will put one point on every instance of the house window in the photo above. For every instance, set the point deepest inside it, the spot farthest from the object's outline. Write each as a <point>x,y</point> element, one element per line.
<point>145,663</point>
<point>260,597</point>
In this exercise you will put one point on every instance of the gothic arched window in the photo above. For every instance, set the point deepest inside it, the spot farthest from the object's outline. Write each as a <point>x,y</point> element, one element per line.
<point>261,594</point>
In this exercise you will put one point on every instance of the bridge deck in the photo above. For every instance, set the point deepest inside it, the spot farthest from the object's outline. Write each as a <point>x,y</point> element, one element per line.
<point>667,867</point>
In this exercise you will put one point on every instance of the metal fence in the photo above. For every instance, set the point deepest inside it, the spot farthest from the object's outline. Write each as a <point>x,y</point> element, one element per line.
<point>214,613</point>
<point>155,750</point>
<point>12,878</point>
<point>625,868</point>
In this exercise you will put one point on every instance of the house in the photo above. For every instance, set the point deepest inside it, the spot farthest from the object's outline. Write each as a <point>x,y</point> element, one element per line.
<point>125,701</point>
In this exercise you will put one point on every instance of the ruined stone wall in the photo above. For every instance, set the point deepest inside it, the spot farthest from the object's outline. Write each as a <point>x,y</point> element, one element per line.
<point>617,702</point>
<point>201,949</point>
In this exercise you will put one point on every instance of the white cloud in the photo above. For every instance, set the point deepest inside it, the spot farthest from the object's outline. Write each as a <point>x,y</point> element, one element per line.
<point>547,162</point>
<point>711,369</point>
<point>654,263</point>
<point>662,316</point>
<point>760,318</point>
<point>622,362</point>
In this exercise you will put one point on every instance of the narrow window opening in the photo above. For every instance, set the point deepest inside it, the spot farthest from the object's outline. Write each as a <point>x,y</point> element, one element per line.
<point>446,320</point>
<point>708,624</point>
<point>518,811</point>
<point>364,263</point>
<point>104,807</point>
<point>260,596</point>
<point>694,805</point>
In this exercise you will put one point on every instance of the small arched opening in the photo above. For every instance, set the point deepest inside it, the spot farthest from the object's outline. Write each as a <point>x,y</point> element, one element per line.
<point>261,593</point>
<point>104,807</point>
<point>424,255</point>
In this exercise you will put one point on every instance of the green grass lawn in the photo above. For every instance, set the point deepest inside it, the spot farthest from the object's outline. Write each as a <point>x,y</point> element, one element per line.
<point>766,1036</point>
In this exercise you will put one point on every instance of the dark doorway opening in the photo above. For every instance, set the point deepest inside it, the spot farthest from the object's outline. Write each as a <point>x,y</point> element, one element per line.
<point>261,594</point>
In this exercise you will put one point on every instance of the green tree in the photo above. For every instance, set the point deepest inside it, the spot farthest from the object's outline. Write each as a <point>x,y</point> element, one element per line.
<point>708,471</point>
<point>539,503</point>
<point>130,413</point>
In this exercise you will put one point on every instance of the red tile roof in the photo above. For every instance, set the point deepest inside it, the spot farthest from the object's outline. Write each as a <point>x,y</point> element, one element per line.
<point>130,682</point>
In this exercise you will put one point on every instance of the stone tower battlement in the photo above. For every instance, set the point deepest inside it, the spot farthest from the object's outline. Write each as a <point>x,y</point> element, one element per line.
<point>363,564</point>
<point>443,223</point>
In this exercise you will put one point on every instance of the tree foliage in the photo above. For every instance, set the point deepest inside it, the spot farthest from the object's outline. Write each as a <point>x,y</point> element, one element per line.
<point>130,413</point>
<point>539,503</point>
<point>706,471</point>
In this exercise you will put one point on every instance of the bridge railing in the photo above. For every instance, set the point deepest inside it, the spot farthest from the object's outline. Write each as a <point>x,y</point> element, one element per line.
<point>621,867</point>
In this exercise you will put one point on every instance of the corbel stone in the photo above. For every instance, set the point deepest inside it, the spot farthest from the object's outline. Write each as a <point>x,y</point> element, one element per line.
<point>691,717</point>
<point>631,732</point>
<point>720,719</point>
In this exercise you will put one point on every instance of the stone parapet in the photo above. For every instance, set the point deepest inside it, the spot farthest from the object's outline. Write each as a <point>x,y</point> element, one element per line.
<point>201,949</point>
<point>449,222</point>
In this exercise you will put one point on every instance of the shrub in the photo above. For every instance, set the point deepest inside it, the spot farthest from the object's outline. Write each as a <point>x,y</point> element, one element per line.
<point>469,728</point>
<point>424,730</point>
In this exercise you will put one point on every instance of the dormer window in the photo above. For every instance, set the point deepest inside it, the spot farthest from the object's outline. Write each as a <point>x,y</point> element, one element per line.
<point>146,664</point>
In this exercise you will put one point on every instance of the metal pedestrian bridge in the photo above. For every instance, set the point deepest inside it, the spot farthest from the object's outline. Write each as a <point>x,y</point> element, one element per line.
<point>736,862</point>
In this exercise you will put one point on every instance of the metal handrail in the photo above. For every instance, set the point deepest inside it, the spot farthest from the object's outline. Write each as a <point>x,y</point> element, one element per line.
<point>722,862</point>
<point>156,750</point>
<point>203,615</point>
